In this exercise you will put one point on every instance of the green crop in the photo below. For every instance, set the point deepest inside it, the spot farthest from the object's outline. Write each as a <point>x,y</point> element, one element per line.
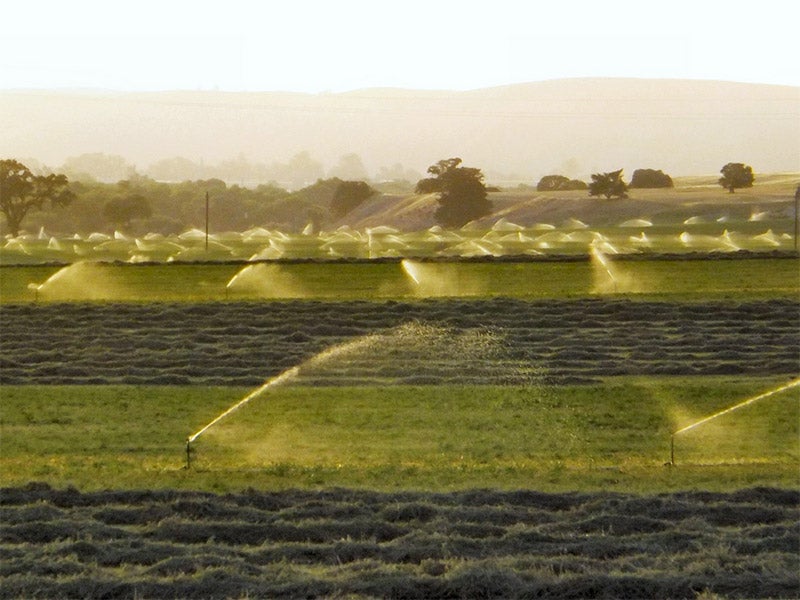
<point>743,278</point>
<point>608,435</point>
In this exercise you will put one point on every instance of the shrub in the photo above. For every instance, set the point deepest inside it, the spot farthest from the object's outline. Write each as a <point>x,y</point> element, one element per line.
<point>650,178</point>
<point>348,196</point>
<point>559,183</point>
<point>608,184</point>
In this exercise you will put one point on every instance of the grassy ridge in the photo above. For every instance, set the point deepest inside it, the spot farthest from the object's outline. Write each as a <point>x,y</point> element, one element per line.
<point>678,279</point>
<point>612,435</point>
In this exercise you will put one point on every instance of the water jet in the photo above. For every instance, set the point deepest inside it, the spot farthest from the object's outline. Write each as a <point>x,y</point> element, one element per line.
<point>393,350</point>
<point>602,265</point>
<point>704,420</point>
<point>79,281</point>
<point>275,381</point>
<point>441,279</point>
<point>265,281</point>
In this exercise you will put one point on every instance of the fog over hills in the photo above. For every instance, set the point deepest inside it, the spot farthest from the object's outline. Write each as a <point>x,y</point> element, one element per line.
<point>513,133</point>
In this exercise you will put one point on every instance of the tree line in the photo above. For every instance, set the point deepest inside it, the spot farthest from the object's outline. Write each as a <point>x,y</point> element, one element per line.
<point>299,171</point>
<point>139,204</point>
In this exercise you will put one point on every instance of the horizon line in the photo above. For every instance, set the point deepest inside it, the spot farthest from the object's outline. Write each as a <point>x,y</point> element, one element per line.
<point>386,88</point>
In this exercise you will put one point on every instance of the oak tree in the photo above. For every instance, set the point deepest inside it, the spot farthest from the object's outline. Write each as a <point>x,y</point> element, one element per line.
<point>462,193</point>
<point>559,183</point>
<point>651,178</point>
<point>21,191</point>
<point>736,175</point>
<point>610,185</point>
<point>122,210</point>
<point>348,196</point>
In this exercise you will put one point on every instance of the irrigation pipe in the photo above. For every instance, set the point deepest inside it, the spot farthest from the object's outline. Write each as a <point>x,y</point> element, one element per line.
<point>704,420</point>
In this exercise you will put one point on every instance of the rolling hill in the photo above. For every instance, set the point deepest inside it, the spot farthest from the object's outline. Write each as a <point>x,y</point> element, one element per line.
<point>514,133</point>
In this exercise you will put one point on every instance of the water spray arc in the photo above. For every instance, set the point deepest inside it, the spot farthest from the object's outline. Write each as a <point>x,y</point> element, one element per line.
<point>410,269</point>
<point>82,280</point>
<point>704,420</point>
<point>599,259</point>
<point>419,343</point>
<point>338,351</point>
<point>275,381</point>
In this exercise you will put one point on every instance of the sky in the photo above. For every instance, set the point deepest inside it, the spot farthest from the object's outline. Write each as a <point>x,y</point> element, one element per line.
<point>321,46</point>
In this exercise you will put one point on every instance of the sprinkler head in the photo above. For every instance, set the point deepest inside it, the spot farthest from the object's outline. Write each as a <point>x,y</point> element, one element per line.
<point>672,450</point>
<point>188,453</point>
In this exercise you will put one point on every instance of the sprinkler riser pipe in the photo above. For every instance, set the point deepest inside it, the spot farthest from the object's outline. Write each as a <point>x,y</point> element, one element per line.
<point>792,384</point>
<point>672,449</point>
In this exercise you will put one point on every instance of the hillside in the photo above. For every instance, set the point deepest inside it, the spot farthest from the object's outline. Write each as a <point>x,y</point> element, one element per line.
<point>514,134</point>
<point>692,197</point>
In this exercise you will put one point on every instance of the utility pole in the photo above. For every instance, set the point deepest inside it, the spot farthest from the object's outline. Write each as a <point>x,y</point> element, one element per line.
<point>796,214</point>
<point>206,221</point>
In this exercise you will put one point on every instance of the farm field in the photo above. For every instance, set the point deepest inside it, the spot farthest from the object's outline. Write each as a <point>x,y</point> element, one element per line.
<point>555,491</point>
<point>495,341</point>
<point>568,397</point>
<point>610,435</point>
<point>487,353</point>
<point>636,236</point>
<point>481,441</point>
<point>365,544</point>
<point>677,277</point>
<point>695,216</point>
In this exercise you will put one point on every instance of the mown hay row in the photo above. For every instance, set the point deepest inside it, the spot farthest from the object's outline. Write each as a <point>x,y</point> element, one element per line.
<point>246,343</point>
<point>475,543</point>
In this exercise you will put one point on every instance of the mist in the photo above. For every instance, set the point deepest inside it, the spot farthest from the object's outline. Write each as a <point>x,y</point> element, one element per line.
<point>514,133</point>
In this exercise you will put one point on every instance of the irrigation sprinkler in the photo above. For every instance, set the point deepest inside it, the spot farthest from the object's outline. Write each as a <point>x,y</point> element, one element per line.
<point>704,420</point>
<point>206,221</point>
<point>278,380</point>
<point>601,258</point>
<point>796,215</point>
<point>671,449</point>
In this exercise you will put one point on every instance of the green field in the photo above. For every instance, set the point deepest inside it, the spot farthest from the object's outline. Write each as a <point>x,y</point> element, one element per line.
<point>563,399</point>
<point>499,429</point>
<point>613,435</point>
<point>758,277</point>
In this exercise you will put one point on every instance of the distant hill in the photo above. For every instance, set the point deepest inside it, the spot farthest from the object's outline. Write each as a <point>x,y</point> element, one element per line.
<point>700,197</point>
<point>513,133</point>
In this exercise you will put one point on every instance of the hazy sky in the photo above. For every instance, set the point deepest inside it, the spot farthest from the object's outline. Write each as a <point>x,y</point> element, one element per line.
<point>338,45</point>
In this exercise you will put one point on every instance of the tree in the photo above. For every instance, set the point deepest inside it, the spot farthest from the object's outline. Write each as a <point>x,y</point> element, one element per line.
<point>650,178</point>
<point>121,211</point>
<point>176,169</point>
<point>559,183</point>
<point>348,196</point>
<point>350,167</point>
<point>736,175</point>
<point>397,172</point>
<point>21,191</point>
<point>462,193</point>
<point>108,168</point>
<point>610,185</point>
<point>300,171</point>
